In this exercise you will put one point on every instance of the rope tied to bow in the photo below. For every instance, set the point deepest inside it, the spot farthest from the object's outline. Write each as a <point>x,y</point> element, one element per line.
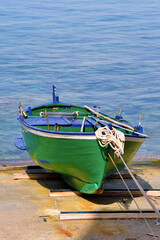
<point>114,138</point>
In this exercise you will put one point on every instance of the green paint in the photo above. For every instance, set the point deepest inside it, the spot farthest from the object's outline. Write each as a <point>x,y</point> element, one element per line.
<point>82,162</point>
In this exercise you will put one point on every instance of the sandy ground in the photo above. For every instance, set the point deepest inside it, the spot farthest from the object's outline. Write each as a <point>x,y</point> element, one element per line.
<point>27,212</point>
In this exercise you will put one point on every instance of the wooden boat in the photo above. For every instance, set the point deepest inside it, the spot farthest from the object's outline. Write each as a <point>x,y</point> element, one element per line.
<point>63,138</point>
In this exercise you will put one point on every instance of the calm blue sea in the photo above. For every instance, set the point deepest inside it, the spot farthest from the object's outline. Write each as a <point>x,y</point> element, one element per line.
<point>97,52</point>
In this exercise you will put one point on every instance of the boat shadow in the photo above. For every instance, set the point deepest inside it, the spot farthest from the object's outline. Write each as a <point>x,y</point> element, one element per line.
<point>114,190</point>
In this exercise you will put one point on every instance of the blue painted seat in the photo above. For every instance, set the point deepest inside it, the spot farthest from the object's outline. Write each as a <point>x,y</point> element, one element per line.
<point>62,121</point>
<point>93,122</point>
<point>78,123</point>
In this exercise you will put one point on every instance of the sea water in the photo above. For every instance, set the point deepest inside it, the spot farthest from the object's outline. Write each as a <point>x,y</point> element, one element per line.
<point>104,53</point>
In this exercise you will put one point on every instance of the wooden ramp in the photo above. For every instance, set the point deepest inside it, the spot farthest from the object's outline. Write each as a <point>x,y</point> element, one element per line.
<point>114,203</point>
<point>35,172</point>
<point>106,193</point>
<point>43,203</point>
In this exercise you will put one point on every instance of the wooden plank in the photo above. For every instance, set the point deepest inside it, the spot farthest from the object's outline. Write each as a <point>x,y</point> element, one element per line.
<point>106,193</point>
<point>109,119</point>
<point>106,215</point>
<point>35,176</point>
<point>11,168</point>
<point>125,175</point>
<point>121,193</point>
<point>23,167</point>
<point>40,173</point>
<point>152,193</point>
<point>125,193</point>
<point>64,193</point>
<point>18,176</point>
<point>110,193</point>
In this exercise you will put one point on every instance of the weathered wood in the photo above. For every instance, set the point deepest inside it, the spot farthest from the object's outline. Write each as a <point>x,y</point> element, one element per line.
<point>12,168</point>
<point>40,173</point>
<point>152,193</point>
<point>106,215</point>
<point>47,119</point>
<point>120,193</point>
<point>36,176</point>
<point>64,193</point>
<point>106,193</point>
<point>23,167</point>
<point>125,193</point>
<point>18,176</point>
<point>124,174</point>
<point>109,119</point>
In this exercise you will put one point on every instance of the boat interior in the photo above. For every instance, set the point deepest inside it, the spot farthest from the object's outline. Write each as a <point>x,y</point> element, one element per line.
<point>65,118</point>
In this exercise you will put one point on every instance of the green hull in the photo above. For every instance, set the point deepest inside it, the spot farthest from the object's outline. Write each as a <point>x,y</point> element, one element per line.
<point>61,138</point>
<point>82,162</point>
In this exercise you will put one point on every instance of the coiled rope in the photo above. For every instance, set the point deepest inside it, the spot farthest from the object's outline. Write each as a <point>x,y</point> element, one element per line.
<point>114,138</point>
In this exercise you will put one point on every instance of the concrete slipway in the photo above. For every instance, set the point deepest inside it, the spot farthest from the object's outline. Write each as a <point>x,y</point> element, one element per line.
<point>28,212</point>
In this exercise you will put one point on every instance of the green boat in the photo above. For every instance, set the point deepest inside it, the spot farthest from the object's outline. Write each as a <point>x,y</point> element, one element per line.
<point>77,142</point>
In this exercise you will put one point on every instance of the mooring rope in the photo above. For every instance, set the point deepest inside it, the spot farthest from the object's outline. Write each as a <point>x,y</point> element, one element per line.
<point>140,188</point>
<point>116,140</point>
<point>133,198</point>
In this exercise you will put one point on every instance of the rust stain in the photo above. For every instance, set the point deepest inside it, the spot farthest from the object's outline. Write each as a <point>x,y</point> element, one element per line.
<point>120,229</point>
<point>65,231</point>
<point>106,232</point>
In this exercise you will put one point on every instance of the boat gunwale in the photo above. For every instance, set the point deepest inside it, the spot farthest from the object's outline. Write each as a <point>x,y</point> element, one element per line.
<point>55,104</point>
<point>60,133</point>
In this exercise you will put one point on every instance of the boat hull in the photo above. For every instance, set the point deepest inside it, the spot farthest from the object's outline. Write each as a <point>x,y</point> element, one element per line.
<point>81,161</point>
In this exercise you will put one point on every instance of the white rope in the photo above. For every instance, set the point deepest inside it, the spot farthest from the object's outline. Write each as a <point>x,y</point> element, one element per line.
<point>133,198</point>
<point>112,137</point>
<point>140,188</point>
<point>116,140</point>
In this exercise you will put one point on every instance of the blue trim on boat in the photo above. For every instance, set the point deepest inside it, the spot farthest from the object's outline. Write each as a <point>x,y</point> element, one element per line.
<point>53,103</point>
<point>21,119</point>
<point>19,143</point>
<point>30,111</point>
<point>137,135</point>
<point>44,161</point>
<point>52,121</point>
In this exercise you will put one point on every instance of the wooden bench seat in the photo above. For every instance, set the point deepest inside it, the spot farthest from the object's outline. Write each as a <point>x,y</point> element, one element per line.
<point>62,121</point>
